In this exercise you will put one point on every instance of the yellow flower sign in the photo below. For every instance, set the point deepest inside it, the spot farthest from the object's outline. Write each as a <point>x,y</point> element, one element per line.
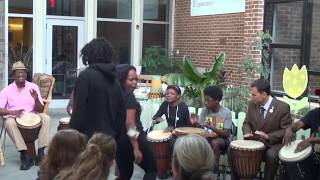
<point>295,81</point>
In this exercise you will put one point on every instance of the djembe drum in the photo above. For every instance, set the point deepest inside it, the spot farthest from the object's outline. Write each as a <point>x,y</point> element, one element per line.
<point>297,166</point>
<point>182,131</point>
<point>64,123</point>
<point>160,146</point>
<point>245,157</point>
<point>29,125</point>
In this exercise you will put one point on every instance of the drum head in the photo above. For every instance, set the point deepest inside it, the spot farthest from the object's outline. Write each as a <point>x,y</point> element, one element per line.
<point>190,130</point>
<point>65,120</point>
<point>247,144</point>
<point>30,120</point>
<point>287,152</point>
<point>159,136</point>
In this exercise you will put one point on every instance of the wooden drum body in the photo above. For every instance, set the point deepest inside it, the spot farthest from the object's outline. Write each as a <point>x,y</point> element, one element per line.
<point>245,157</point>
<point>29,125</point>
<point>160,145</point>
<point>64,123</point>
<point>297,166</point>
<point>182,131</point>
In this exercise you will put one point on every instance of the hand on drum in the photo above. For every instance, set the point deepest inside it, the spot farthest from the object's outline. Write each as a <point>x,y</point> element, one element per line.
<point>288,136</point>
<point>34,94</point>
<point>303,145</point>
<point>137,156</point>
<point>262,134</point>
<point>212,135</point>
<point>168,129</point>
<point>247,136</point>
<point>16,113</point>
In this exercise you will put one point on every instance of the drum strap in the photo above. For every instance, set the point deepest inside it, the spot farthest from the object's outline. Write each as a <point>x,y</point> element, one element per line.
<point>176,118</point>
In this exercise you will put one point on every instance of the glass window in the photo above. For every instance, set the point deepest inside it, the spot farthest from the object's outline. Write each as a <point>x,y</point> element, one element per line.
<point>66,7</point>
<point>314,83</point>
<point>20,43</point>
<point>282,58</point>
<point>119,35</point>
<point>21,6</point>
<point>64,59</point>
<point>288,26</point>
<point>155,35</point>
<point>119,9</point>
<point>156,10</point>
<point>315,38</point>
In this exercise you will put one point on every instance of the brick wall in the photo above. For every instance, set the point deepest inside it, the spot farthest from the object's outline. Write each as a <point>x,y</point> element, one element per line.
<point>203,37</point>
<point>2,50</point>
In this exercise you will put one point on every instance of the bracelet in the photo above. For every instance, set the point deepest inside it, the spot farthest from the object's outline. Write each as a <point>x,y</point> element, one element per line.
<point>133,133</point>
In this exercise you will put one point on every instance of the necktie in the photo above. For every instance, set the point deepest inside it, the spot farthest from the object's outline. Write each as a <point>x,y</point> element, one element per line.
<point>262,112</point>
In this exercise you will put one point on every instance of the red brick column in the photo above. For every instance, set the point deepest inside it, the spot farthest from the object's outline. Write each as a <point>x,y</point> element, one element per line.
<point>253,22</point>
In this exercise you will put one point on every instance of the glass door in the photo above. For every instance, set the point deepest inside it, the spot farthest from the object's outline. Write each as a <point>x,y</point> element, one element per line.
<point>65,39</point>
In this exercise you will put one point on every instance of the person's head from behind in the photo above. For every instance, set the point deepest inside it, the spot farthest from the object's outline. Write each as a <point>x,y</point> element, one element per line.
<point>95,161</point>
<point>173,93</point>
<point>98,50</point>
<point>63,149</point>
<point>192,158</point>
<point>260,91</point>
<point>212,97</point>
<point>127,76</point>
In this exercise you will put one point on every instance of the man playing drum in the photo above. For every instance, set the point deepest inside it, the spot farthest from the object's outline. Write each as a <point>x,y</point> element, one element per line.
<point>266,121</point>
<point>310,120</point>
<point>20,97</point>
<point>217,120</point>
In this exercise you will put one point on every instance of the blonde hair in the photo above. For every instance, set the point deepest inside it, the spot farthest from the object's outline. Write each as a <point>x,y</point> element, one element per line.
<point>94,162</point>
<point>194,158</point>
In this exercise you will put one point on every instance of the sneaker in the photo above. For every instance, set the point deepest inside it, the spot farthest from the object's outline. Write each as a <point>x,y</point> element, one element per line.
<point>27,162</point>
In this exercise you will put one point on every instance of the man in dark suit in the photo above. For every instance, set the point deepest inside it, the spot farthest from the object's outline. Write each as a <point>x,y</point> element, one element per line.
<point>266,120</point>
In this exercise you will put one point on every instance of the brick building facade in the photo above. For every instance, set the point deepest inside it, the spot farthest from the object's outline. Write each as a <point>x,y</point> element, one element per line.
<point>203,37</point>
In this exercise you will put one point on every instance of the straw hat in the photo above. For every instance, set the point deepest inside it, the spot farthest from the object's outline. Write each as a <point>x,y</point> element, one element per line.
<point>18,66</point>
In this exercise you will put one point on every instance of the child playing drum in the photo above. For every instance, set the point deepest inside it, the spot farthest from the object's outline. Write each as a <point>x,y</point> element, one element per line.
<point>176,111</point>
<point>217,120</point>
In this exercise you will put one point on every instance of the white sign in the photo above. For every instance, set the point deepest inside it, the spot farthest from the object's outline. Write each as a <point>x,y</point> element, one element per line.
<point>211,7</point>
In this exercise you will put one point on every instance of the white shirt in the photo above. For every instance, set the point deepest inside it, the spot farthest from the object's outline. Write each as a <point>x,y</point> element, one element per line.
<point>267,106</point>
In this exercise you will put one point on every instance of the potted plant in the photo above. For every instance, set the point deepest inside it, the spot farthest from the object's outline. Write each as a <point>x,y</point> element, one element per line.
<point>194,82</point>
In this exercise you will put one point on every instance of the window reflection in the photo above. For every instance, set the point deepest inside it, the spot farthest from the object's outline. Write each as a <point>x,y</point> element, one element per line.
<point>20,6</point>
<point>66,7</point>
<point>155,35</point>
<point>20,43</point>
<point>156,10</point>
<point>119,35</point>
<point>119,9</point>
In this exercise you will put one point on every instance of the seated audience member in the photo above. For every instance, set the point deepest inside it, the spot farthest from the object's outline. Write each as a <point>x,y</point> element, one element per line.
<point>176,111</point>
<point>310,120</point>
<point>217,120</point>
<point>63,149</point>
<point>266,120</point>
<point>22,96</point>
<point>94,162</point>
<point>192,159</point>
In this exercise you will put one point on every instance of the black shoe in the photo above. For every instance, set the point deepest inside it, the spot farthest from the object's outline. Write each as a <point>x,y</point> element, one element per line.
<point>27,162</point>
<point>38,159</point>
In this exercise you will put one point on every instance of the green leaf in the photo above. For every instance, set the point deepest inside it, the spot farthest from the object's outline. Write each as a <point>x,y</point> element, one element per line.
<point>191,72</point>
<point>216,66</point>
<point>177,79</point>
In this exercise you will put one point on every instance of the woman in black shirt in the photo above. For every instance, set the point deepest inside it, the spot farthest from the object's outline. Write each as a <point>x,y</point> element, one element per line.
<point>133,146</point>
<point>176,111</point>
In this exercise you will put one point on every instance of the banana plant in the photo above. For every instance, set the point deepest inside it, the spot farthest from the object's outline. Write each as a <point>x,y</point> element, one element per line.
<point>195,82</point>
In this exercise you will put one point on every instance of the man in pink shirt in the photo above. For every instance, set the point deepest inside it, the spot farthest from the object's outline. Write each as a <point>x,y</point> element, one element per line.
<point>21,97</point>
